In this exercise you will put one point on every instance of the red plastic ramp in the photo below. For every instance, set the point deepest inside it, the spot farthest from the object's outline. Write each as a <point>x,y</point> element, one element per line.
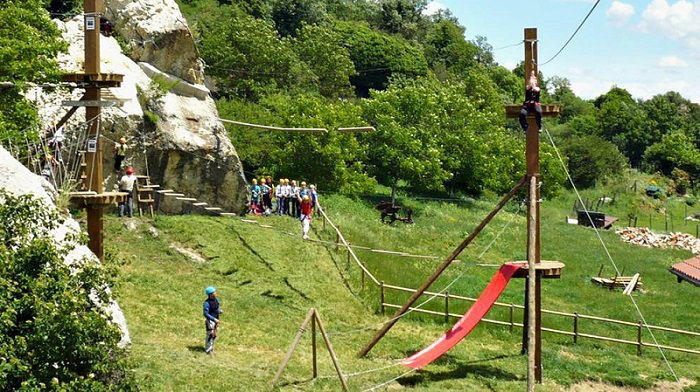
<point>467,323</point>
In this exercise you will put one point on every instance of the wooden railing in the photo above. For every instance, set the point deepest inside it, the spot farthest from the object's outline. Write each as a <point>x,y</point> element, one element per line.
<point>576,318</point>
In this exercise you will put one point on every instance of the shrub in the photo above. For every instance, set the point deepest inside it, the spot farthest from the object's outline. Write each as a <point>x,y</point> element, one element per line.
<point>52,335</point>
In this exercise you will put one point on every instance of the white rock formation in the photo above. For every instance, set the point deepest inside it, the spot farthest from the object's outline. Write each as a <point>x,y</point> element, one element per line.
<point>18,180</point>
<point>168,115</point>
<point>157,34</point>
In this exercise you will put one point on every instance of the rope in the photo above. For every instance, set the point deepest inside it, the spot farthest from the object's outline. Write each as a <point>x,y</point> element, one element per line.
<point>508,46</point>
<point>574,34</point>
<point>374,388</point>
<point>607,252</point>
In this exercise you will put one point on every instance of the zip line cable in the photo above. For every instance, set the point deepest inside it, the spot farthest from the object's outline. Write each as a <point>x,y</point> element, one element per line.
<point>607,252</point>
<point>508,46</point>
<point>574,34</point>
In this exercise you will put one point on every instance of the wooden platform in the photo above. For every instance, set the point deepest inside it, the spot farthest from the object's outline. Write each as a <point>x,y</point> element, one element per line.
<point>101,199</point>
<point>104,80</point>
<point>548,110</point>
<point>615,282</point>
<point>546,268</point>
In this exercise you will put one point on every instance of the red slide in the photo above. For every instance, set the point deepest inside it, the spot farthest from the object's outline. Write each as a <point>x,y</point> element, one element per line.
<point>467,323</point>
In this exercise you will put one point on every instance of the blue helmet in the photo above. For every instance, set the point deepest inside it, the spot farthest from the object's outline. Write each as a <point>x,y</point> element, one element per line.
<point>210,290</point>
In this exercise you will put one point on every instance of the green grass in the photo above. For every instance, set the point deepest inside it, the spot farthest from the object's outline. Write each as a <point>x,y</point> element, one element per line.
<point>268,280</point>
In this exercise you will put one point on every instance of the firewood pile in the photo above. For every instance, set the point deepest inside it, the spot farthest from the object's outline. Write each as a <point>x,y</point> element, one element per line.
<point>645,237</point>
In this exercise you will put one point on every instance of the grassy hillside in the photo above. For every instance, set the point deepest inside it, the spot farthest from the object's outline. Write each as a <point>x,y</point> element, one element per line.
<point>268,279</point>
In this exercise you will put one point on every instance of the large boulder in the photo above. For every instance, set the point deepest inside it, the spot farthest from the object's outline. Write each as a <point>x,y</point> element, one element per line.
<point>173,127</point>
<point>158,34</point>
<point>18,180</point>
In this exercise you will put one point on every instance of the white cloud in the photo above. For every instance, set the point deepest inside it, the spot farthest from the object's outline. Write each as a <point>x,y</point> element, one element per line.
<point>672,62</point>
<point>679,20</point>
<point>619,13</point>
<point>433,7</point>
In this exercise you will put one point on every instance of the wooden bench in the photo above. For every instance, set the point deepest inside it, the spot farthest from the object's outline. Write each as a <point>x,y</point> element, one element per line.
<point>616,282</point>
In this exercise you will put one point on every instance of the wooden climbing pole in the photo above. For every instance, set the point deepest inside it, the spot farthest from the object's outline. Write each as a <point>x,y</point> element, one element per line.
<point>93,81</point>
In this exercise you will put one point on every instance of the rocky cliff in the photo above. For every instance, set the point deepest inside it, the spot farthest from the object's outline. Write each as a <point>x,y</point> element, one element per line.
<point>166,112</point>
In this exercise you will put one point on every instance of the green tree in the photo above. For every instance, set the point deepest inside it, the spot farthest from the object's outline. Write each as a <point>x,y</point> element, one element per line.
<point>444,44</point>
<point>591,158</point>
<point>622,121</point>
<point>330,62</point>
<point>52,335</point>
<point>675,150</point>
<point>403,17</point>
<point>378,57</point>
<point>290,15</point>
<point>248,58</point>
<point>29,44</point>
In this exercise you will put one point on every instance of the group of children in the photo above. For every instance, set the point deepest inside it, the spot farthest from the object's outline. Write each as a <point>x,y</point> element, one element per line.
<point>294,200</point>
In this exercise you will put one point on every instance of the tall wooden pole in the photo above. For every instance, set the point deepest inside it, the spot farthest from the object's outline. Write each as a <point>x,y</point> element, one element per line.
<point>532,158</point>
<point>93,156</point>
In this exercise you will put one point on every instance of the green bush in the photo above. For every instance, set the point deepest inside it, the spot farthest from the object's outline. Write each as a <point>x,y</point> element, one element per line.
<point>52,336</point>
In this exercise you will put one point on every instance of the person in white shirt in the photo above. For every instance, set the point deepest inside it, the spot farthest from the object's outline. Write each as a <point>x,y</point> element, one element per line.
<point>279,194</point>
<point>126,184</point>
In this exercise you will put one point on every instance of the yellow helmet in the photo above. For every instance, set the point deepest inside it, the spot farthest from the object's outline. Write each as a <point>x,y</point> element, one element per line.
<point>306,197</point>
<point>255,181</point>
<point>122,140</point>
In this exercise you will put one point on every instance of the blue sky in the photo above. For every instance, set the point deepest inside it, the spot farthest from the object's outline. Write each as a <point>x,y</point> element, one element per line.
<point>646,47</point>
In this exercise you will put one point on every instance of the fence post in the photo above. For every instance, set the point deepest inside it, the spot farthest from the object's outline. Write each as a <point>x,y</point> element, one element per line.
<point>685,215</point>
<point>671,213</point>
<point>363,276</point>
<point>635,220</point>
<point>324,222</point>
<point>348,262</point>
<point>650,221</point>
<point>665,222</point>
<point>697,228</point>
<point>639,338</point>
<point>381,295</point>
<point>447,307</point>
<point>512,324</point>
<point>337,238</point>
<point>575,327</point>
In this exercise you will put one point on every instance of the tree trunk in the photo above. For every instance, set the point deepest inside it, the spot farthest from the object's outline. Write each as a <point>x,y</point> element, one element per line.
<point>393,191</point>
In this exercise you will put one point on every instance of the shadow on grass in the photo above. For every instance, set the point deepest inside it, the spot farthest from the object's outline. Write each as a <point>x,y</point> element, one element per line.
<point>196,349</point>
<point>462,370</point>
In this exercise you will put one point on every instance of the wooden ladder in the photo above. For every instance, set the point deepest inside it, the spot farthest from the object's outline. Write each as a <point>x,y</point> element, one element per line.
<point>144,194</point>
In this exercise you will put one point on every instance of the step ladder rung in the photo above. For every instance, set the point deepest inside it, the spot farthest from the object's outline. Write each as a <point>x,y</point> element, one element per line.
<point>200,204</point>
<point>174,194</point>
<point>166,191</point>
<point>213,208</point>
<point>186,198</point>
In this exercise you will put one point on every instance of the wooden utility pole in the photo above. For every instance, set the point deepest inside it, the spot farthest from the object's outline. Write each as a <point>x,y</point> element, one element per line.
<point>532,331</point>
<point>92,80</point>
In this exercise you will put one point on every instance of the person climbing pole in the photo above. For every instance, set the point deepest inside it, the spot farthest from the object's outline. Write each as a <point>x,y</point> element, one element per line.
<point>126,184</point>
<point>212,311</point>
<point>119,154</point>
<point>532,103</point>
<point>305,216</point>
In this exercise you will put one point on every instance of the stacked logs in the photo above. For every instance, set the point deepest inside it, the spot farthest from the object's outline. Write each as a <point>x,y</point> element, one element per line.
<point>645,237</point>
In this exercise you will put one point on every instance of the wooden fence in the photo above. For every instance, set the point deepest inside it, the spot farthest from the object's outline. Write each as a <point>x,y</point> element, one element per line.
<point>447,298</point>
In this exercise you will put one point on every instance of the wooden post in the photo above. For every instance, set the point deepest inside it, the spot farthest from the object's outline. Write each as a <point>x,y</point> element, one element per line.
<point>665,222</point>
<point>447,307</point>
<point>315,320</point>
<point>314,364</point>
<point>650,221</point>
<point>331,351</point>
<point>639,338</point>
<point>512,323</point>
<point>685,215</point>
<point>381,295</point>
<point>575,327</point>
<point>531,278</point>
<point>337,238</point>
<point>436,274</point>
<point>293,346</point>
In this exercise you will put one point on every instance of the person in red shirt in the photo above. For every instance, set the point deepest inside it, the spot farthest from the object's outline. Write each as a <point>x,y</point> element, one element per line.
<point>305,217</point>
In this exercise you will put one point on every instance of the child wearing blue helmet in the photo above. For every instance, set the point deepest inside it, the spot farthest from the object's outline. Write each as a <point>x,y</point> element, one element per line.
<point>212,310</point>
